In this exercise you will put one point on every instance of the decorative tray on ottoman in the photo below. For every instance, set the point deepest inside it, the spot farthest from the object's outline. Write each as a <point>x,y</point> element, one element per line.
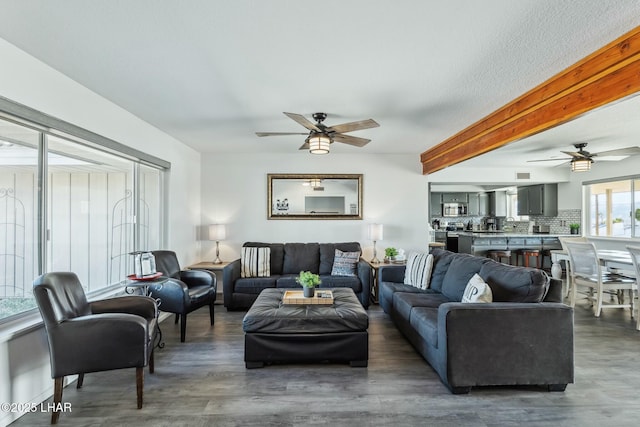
<point>324,297</point>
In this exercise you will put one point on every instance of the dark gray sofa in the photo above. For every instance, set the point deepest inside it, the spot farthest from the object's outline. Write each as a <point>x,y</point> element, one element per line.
<point>524,337</point>
<point>287,261</point>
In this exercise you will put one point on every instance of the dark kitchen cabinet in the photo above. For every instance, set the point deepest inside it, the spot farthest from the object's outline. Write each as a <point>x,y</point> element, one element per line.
<point>454,197</point>
<point>541,199</point>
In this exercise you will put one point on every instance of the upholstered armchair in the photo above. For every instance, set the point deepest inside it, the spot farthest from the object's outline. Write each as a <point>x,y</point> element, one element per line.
<point>95,336</point>
<point>188,290</point>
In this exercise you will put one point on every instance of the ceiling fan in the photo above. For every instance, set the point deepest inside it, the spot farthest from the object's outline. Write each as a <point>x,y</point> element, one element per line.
<point>581,160</point>
<point>320,136</point>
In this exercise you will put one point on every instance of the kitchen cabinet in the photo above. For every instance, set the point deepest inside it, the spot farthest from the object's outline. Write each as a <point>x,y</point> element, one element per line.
<point>473,207</point>
<point>454,197</point>
<point>541,199</point>
<point>497,203</point>
<point>483,204</point>
<point>435,204</point>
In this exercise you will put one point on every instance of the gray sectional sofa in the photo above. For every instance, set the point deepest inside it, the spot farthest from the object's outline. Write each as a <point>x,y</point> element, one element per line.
<point>286,262</point>
<point>524,337</point>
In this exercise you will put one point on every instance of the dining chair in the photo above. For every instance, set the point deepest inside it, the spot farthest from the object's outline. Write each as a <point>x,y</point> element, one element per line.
<point>587,271</point>
<point>635,257</point>
<point>101,335</point>
<point>563,240</point>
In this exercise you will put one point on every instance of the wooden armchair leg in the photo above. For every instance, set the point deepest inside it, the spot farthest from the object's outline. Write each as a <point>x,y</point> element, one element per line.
<point>80,381</point>
<point>139,385</point>
<point>57,399</point>
<point>211,313</point>
<point>183,327</point>
<point>152,366</point>
<point>176,319</point>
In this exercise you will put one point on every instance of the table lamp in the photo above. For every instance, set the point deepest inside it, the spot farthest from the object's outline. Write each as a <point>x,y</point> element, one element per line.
<point>217,232</point>
<point>375,234</point>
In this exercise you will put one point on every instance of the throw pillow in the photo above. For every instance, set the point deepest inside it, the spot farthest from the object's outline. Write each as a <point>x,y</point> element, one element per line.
<point>477,291</point>
<point>418,270</point>
<point>344,263</point>
<point>255,262</point>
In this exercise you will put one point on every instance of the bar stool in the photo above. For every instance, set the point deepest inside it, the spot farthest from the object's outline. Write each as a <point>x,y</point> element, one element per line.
<point>497,255</point>
<point>526,254</point>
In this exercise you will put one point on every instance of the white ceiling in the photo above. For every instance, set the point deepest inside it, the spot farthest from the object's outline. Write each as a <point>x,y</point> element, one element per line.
<point>211,73</point>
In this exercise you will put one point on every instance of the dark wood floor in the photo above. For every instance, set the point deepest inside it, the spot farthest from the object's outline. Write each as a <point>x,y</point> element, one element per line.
<point>203,382</point>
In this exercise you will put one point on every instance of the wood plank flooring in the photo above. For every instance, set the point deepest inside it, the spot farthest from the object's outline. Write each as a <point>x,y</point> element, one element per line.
<point>203,382</point>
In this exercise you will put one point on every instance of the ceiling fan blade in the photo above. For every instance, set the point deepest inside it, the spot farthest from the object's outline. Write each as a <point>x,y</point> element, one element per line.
<point>578,155</point>
<point>550,160</point>
<point>350,127</point>
<point>304,146</point>
<point>629,151</point>
<point>279,133</point>
<point>351,140</point>
<point>303,121</point>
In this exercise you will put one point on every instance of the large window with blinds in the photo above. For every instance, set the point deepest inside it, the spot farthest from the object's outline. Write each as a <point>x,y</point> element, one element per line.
<point>613,207</point>
<point>70,204</point>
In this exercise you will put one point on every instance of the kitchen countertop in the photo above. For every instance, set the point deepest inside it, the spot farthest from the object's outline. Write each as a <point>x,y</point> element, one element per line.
<point>508,234</point>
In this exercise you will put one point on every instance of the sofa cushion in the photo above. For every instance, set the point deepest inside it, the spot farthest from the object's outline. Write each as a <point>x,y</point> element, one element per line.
<point>418,271</point>
<point>461,269</point>
<point>277,254</point>
<point>441,261</point>
<point>254,285</point>
<point>424,321</point>
<point>477,291</point>
<point>301,257</point>
<point>403,302</point>
<point>328,251</point>
<point>352,282</point>
<point>288,281</point>
<point>255,262</point>
<point>344,263</point>
<point>515,284</point>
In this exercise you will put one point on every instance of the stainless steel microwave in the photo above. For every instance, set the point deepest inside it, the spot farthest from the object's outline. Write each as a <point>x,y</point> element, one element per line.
<point>454,209</point>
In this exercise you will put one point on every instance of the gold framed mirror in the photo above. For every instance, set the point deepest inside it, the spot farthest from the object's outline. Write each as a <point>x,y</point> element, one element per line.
<point>314,196</point>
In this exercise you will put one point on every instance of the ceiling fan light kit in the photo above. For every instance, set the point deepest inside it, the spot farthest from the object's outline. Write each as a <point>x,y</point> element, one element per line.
<point>319,144</point>
<point>321,137</point>
<point>581,165</point>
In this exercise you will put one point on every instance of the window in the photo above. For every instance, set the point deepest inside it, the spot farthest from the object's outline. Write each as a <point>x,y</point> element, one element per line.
<point>614,208</point>
<point>95,206</point>
<point>512,207</point>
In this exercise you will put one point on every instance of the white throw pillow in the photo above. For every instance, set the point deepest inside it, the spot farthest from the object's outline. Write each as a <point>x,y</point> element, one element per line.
<point>418,271</point>
<point>255,262</point>
<point>477,291</point>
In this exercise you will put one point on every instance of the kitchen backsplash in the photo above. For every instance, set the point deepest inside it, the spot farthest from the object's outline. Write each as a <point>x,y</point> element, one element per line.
<point>557,224</point>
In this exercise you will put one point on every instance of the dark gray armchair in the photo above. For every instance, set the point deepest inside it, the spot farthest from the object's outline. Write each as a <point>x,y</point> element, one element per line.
<point>187,291</point>
<point>102,335</point>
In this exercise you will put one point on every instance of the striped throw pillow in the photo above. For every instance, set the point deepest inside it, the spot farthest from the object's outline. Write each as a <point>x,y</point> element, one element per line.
<point>344,263</point>
<point>255,262</point>
<point>418,270</point>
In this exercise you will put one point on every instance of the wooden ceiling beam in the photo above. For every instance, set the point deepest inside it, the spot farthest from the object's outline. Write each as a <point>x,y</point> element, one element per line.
<point>609,74</point>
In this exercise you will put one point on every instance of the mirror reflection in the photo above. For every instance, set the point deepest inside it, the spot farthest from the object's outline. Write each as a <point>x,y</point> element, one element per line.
<point>314,196</point>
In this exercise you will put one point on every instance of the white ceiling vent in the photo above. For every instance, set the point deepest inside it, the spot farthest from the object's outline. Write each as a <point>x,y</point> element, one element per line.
<point>523,175</point>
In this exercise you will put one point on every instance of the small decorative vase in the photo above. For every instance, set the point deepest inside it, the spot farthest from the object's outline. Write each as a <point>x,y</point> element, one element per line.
<point>308,292</point>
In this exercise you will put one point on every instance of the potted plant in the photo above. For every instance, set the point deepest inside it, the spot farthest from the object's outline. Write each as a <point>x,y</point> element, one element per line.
<point>308,281</point>
<point>390,254</point>
<point>575,228</point>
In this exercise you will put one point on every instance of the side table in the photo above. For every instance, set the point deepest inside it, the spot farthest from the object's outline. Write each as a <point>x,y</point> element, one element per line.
<point>131,285</point>
<point>374,270</point>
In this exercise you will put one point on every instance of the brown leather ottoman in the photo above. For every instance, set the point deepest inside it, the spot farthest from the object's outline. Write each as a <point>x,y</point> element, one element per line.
<point>278,333</point>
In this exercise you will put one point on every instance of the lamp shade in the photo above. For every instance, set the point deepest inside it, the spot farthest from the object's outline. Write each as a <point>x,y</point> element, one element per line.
<point>319,144</point>
<point>217,232</point>
<point>375,232</point>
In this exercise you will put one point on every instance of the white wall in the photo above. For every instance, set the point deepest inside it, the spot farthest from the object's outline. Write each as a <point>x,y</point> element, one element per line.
<point>24,360</point>
<point>234,192</point>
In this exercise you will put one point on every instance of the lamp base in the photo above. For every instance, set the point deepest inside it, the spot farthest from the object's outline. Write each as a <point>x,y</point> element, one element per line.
<point>375,261</point>
<point>217,261</point>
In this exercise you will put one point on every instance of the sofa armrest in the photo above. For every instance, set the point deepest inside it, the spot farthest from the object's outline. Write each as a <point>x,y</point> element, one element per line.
<point>365,275</point>
<point>391,273</point>
<point>230,273</point>
<point>507,343</point>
